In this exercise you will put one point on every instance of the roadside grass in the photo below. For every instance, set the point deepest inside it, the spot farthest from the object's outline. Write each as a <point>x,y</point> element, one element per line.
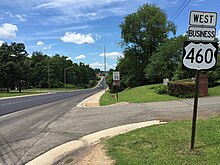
<point>145,94</point>
<point>168,144</point>
<point>16,93</point>
<point>136,95</point>
<point>214,91</point>
<point>33,91</point>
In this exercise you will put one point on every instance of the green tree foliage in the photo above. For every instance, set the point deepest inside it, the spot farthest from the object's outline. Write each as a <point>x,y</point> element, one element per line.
<point>40,70</point>
<point>13,65</point>
<point>142,32</point>
<point>166,59</point>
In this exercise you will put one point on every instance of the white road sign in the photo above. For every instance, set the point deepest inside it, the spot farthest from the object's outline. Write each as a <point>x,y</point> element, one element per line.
<point>200,56</point>
<point>201,33</point>
<point>116,75</point>
<point>200,18</point>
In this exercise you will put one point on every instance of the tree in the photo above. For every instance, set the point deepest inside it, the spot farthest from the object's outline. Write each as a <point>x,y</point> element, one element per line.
<point>141,34</point>
<point>167,58</point>
<point>14,64</point>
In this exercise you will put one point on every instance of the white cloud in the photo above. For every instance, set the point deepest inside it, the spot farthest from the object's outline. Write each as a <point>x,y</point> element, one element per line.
<point>97,65</point>
<point>77,38</point>
<point>101,66</point>
<point>48,47</point>
<point>8,31</point>
<point>69,58</point>
<point>84,10</point>
<point>21,17</point>
<point>113,55</point>
<point>82,56</point>
<point>40,43</point>
<point>1,42</point>
<point>218,34</point>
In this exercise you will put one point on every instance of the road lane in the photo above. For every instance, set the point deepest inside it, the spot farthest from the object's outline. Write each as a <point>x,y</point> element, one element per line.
<point>15,104</point>
<point>21,131</point>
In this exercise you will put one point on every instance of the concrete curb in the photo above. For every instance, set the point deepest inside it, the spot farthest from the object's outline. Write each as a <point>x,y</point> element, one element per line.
<point>61,151</point>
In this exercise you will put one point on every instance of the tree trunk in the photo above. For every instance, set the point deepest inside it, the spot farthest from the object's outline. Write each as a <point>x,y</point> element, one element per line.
<point>19,86</point>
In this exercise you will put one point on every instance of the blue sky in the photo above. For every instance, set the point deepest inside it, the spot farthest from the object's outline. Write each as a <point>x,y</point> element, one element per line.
<point>62,26</point>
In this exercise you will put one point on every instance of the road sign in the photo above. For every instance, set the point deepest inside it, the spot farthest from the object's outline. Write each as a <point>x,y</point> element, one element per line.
<point>117,82</point>
<point>200,18</point>
<point>116,75</point>
<point>199,56</point>
<point>201,33</point>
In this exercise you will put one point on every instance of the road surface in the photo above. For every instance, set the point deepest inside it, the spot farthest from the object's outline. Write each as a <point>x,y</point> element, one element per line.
<point>26,134</point>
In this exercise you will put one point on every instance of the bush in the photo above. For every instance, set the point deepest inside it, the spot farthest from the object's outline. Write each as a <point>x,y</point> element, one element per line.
<point>114,89</point>
<point>161,89</point>
<point>181,89</point>
<point>92,83</point>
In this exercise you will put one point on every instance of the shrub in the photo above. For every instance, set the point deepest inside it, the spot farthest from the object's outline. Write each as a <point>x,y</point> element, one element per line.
<point>181,89</point>
<point>161,89</point>
<point>114,89</point>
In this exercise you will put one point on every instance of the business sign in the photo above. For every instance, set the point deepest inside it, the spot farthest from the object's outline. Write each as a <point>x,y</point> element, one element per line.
<point>116,75</point>
<point>201,33</point>
<point>200,18</point>
<point>199,56</point>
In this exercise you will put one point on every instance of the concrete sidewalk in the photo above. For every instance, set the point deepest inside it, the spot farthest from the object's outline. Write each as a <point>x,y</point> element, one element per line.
<point>55,155</point>
<point>92,101</point>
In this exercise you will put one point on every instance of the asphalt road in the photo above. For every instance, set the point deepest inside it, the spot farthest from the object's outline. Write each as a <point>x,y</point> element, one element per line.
<point>22,130</point>
<point>15,104</point>
<point>26,134</point>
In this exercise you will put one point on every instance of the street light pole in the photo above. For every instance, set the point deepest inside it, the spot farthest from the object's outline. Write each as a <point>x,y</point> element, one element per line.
<point>65,78</point>
<point>104,61</point>
<point>105,68</point>
<point>65,69</point>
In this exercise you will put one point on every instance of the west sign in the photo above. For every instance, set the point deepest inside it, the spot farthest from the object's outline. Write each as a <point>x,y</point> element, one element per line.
<point>199,18</point>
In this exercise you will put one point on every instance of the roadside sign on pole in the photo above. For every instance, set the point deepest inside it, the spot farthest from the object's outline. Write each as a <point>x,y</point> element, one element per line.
<point>116,75</point>
<point>199,56</point>
<point>200,18</point>
<point>201,33</point>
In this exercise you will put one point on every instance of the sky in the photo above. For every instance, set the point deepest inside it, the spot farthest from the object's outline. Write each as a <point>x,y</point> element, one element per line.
<point>64,26</point>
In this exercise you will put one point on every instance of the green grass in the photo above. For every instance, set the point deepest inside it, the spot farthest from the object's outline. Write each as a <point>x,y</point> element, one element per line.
<point>145,94</point>
<point>137,95</point>
<point>168,144</point>
<point>33,91</point>
<point>214,91</point>
<point>16,93</point>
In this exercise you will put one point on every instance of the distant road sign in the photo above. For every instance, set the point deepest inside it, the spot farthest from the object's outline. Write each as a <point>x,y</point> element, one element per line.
<point>201,33</point>
<point>199,56</point>
<point>116,75</point>
<point>200,18</point>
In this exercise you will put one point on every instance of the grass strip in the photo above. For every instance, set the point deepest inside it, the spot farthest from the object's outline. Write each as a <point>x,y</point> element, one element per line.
<point>136,95</point>
<point>145,94</point>
<point>168,144</point>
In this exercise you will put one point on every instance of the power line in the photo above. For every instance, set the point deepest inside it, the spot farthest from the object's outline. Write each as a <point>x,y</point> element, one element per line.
<point>177,13</point>
<point>178,9</point>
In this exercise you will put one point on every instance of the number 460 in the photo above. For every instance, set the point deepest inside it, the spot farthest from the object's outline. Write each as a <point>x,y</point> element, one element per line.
<point>208,56</point>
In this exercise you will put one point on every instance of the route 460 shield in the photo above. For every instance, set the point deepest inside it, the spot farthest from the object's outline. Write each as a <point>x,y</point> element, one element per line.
<point>199,55</point>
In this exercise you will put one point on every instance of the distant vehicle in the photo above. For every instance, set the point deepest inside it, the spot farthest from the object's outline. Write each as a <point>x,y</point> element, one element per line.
<point>100,86</point>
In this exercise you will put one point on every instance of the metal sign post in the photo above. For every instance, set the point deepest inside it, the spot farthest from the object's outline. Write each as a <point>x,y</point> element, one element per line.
<point>116,82</point>
<point>195,110</point>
